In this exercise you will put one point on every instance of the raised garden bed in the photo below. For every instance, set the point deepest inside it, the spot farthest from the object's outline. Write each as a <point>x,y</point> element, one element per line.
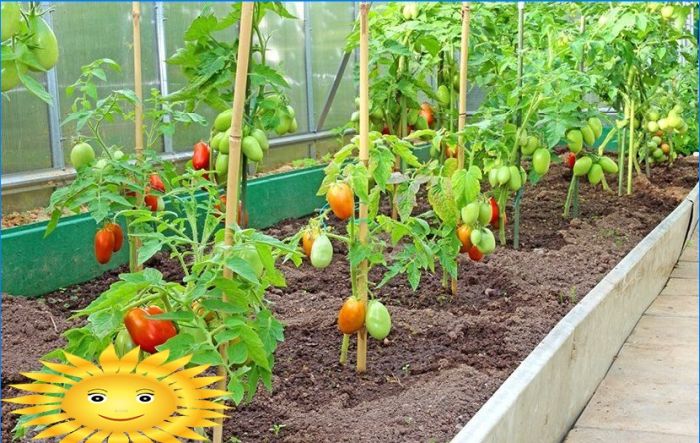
<point>445,357</point>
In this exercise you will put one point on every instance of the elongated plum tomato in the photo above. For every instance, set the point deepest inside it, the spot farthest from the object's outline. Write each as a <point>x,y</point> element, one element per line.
<point>104,245</point>
<point>351,316</point>
<point>118,234</point>
<point>321,252</point>
<point>154,202</point>
<point>146,332</point>
<point>463,233</point>
<point>307,241</point>
<point>494,212</point>
<point>156,182</point>
<point>44,42</point>
<point>123,342</point>
<point>377,320</point>
<point>341,200</point>
<point>200,157</point>
<point>427,112</point>
<point>475,254</point>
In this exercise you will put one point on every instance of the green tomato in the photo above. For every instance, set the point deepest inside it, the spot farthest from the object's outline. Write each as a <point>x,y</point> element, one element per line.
<point>493,177</point>
<point>261,137</point>
<point>283,125</point>
<point>515,181</point>
<point>484,214</point>
<point>11,15</point>
<point>524,138</point>
<point>470,213</point>
<point>216,140</point>
<point>652,126</point>
<point>321,252</point>
<point>503,175</point>
<point>667,12</point>
<point>293,126</point>
<point>582,166</point>
<point>595,174</point>
<point>223,120</point>
<point>251,148</point>
<point>412,117</point>
<point>488,242</point>
<point>475,236</point>
<point>531,145</point>
<point>663,124</point>
<point>596,126</point>
<point>608,165</point>
<point>443,95</point>
<point>290,111</point>
<point>377,320</point>
<point>657,140</point>
<point>224,142</point>
<point>221,165</point>
<point>653,115</point>
<point>673,120</point>
<point>118,155</point>
<point>249,253</point>
<point>421,123</point>
<point>44,42</point>
<point>658,153</point>
<point>10,74</point>
<point>575,139</point>
<point>81,155</point>
<point>588,135</point>
<point>541,160</point>
<point>123,342</point>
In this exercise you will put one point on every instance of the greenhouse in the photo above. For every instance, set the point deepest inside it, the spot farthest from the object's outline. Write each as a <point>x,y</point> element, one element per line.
<point>350,222</point>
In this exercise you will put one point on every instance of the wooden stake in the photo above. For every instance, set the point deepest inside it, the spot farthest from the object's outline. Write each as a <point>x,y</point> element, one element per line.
<point>463,65</point>
<point>234,161</point>
<point>135,243</point>
<point>364,158</point>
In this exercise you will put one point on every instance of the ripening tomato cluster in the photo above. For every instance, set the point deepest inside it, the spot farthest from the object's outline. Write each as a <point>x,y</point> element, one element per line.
<point>108,240</point>
<point>476,238</point>
<point>375,317</point>
<point>587,164</point>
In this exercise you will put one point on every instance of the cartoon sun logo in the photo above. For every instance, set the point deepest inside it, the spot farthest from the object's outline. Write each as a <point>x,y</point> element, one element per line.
<point>120,400</point>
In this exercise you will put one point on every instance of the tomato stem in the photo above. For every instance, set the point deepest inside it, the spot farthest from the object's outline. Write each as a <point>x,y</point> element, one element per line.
<point>344,349</point>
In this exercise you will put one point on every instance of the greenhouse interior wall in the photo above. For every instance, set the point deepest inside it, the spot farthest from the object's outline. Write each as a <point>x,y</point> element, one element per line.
<point>310,49</point>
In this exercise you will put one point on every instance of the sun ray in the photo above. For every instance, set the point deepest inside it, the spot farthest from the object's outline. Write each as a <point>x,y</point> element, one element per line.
<point>35,409</point>
<point>41,388</point>
<point>181,429</point>
<point>67,370</point>
<point>49,378</point>
<point>186,374</point>
<point>200,404</point>
<point>112,364</point>
<point>118,438</point>
<point>83,364</point>
<point>201,382</point>
<point>171,366</point>
<point>137,437</point>
<point>34,400</point>
<point>152,362</point>
<point>204,413</point>
<point>77,436</point>
<point>209,393</point>
<point>97,437</point>
<point>160,436</point>
<point>46,420</point>
<point>59,429</point>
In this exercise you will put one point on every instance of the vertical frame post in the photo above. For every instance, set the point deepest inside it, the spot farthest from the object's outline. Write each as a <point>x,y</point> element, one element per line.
<point>57,157</point>
<point>308,70</point>
<point>161,55</point>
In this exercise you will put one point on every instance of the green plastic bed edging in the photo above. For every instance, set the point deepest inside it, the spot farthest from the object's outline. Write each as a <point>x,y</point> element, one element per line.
<point>33,265</point>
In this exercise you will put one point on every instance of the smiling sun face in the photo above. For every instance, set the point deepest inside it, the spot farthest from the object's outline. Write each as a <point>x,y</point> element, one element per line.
<point>120,400</point>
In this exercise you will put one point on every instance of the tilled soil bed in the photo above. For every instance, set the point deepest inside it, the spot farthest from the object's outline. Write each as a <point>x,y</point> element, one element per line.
<point>445,355</point>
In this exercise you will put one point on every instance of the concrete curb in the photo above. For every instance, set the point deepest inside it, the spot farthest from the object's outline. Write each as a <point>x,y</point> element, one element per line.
<point>542,398</point>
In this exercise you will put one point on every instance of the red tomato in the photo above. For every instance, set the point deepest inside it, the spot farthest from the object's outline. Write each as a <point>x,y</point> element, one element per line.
<point>494,212</point>
<point>118,234</point>
<point>341,200</point>
<point>427,112</point>
<point>242,214</point>
<point>569,160</point>
<point>385,130</point>
<point>104,245</point>
<point>200,157</point>
<point>148,333</point>
<point>475,254</point>
<point>154,202</point>
<point>351,316</point>
<point>156,182</point>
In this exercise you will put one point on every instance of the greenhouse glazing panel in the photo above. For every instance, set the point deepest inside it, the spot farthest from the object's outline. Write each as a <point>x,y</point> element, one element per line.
<point>178,17</point>
<point>331,22</point>
<point>81,48</point>
<point>25,141</point>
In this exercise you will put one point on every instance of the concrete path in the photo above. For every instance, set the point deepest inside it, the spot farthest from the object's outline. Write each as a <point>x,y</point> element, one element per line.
<point>650,393</point>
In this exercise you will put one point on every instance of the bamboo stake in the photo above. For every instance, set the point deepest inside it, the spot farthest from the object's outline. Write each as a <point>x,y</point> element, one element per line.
<point>630,152</point>
<point>520,126</point>
<point>364,158</point>
<point>135,243</point>
<point>463,65</point>
<point>234,162</point>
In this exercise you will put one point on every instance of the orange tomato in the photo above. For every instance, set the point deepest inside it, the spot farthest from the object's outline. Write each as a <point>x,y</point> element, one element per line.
<point>351,317</point>
<point>307,241</point>
<point>427,112</point>
<point>341,200</point>
<point>464,233</point>
<point>665,148</point>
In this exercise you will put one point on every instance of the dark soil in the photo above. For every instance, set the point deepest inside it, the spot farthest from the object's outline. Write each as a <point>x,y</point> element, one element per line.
<point>445,355</point>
